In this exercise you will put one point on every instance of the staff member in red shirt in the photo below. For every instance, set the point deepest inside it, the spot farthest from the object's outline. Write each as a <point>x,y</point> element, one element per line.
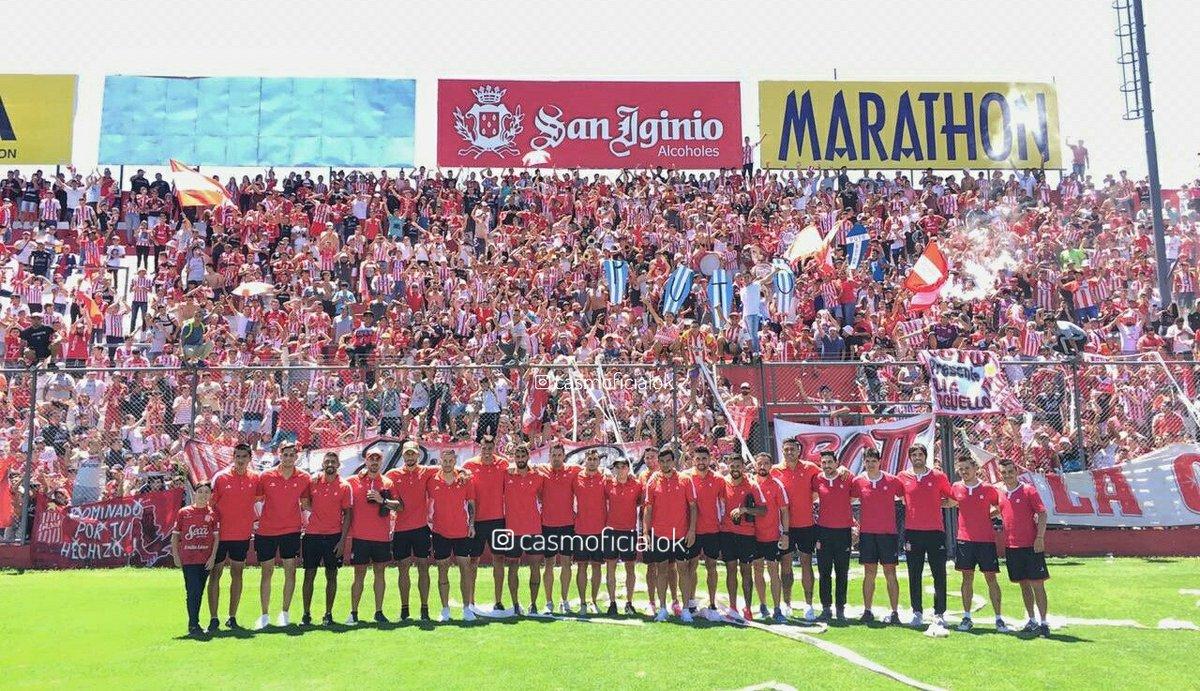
<point>833,491</point>
<point>878,542</point>
<point>325,535</point>
<point>671,518</point>
<point>1024,518</point>
<point>925,489</point>
<point>371,506</point>
<point>284,490</point>
<point>194,549</point>
<point>411,539</point>
<point>770,532</point>
<point>591,512</point>
<point>709,488</point>
<point>558,524</point>
<point>523,523</point>
<point>233,496</point>
<point>452,498</point>
<point>738,546</point>
<point>487,471</point>
<point>976,546</point>
<point>796,475</point>
<point>623,492</point>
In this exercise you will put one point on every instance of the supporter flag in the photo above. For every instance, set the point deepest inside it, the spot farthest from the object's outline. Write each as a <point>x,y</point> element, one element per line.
<point>678,287</point>
<point>926,278</point>
<point>720,296</point>
<point>785,285</point>
<point>616,273</point>
<point>857,240</point>
<point>806,244</point>
<point>205,460</point>
<point>195,189</point>
<point>742,417</point>
<point>88,307</point>
<point>911,332</point>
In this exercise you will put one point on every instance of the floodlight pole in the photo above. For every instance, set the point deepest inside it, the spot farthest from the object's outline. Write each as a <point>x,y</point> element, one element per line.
<point>1160,242</point>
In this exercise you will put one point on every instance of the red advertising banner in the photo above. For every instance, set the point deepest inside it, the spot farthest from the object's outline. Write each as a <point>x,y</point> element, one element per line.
<point>497,123</point>
<point>130,531</point>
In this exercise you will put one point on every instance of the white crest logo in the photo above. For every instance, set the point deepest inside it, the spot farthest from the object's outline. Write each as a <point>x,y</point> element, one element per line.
<point>489,126</point>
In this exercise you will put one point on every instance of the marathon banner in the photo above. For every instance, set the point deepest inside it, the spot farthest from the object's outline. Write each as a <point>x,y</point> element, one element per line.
<point>1160,488</point>
<point>967,382</point>
<point>594,124</point>
<point>37,117</point>
<point>891,439</point>
<point>251,121</point>
<point>909,125</point>
<point>129,531</point>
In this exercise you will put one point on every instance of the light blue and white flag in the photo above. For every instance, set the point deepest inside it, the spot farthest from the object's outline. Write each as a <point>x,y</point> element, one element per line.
<point>720,296</point>
<point>616,273</point>
<point>678,287</point>
<point>857,239</point>
<point>785,286</point>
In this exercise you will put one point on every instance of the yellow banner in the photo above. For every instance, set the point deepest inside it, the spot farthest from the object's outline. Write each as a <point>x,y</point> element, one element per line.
<point>913,125</point>
<point>37,112</point>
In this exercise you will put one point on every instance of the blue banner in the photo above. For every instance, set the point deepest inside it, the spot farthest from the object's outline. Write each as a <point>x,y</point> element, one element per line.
<point>248,121</point>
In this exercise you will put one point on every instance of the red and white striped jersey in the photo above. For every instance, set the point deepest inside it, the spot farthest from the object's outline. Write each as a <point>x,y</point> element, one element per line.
<point>140,287</point>
<point>1031,342</point>
<point>1085,295</point>
<point>114,324</point>
<point>1185,280</point>
<point>49,209</point>
<point>256,396</point>
<point>948,204</point>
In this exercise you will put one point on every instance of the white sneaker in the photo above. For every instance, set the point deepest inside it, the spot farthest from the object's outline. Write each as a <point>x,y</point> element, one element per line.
<point>445,614</point>
<point>662,615</point>
<point>686,616</point>
<point>710,614</point>
<point>917,621</point>
<point>786,609</point>
<point>262,622</point>
<point>810,614</point>
<point>283,619</point>
<point>1002,627</point>
<point>468,614</point>
<point>351,620</point>
<point>736,616</point>
<point>940,621</point>
<point>565,608</point>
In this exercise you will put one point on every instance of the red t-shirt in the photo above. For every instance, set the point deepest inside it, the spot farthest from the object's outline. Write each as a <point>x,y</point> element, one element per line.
<point>709,489</point>
<point>197,530</point>
<point>773,496</point>
<point>489,487</point>
<point>668,498</point>
<point>233,498</point>
<point>591,509</point>
<point>1019,509</point>
<point>522,502</point>
<point>365,521</point>
<point>281,501</point>
<point>329,500</point>
<point>798,483</point>
<point>411,487</point>
<point>833,497</point>
<point>877,503</point>
<point>923,499</point>
<point>623,500</point>
<point>975,511</point>
<point>449,500</point>
<point>558,496</point>
<point>734,495</point>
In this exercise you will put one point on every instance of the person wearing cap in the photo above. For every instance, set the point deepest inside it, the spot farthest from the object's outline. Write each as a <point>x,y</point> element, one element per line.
<point>371,504</point>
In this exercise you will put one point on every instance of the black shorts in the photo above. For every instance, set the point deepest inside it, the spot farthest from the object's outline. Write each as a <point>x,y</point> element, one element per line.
<point>235,550</point>
<point>319,550</point>
<point>267,547</point>
<point>620,544</point>
<point>1025,565</point>
<point>411,543</point>
<point>446,547</point>
<point>737,547</point>
<point>557,546</point>
<point>970,556</point>
<point>588,548</point>
<point>878,548</point>
<point>662,548</point>
<point>483,535</point>
<point>802,539</point>
<point>516,550</point>
<point>708,544</point>
<point>370,552</point>
<point>768,550</point>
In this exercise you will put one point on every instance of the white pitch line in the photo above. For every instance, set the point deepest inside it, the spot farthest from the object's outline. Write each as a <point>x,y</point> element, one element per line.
<point>1177,625</point>
<point>769,686</point>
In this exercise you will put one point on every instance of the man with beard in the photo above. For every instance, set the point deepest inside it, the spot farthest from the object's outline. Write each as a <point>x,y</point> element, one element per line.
<point>770,532</point>
<point>671,518</point>
<point>371,504</point>
<point>623,492</point>
<point>738,546</point>
<point>325,535</point>
<point>488,471</point>
<point>411,539</point>
<point>833,490</point>
<point>452,498</point>
<point>709,487</point>
<point>878,542</point>
<point>925,489</point>
<point>558,523</point>
<point>233,499</point>
<point>523,519</point>
<point>796,475</point>
<point>285,490</point>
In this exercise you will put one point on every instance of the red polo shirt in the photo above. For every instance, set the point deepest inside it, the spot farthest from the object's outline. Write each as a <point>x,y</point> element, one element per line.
<point>591,507</point>
<point>411,487</point>
<point>923,499</point>
<point>798,483</point>
<point>365,521</point>
<point>558,496</point>
<point>877,503</point>
<point>734,495</point>
<point>833,496</point>
<point>281,501</point>
<point>233,498</point>
<point>975,511</point>
<point>449,500</point>
<point>489,487</point>
<point>710,489</point>
<point>522,502</point>
<point>668,497</point>
<point>1019,509</point>
<point>623,498</point>
<point>329,499</point>
<point>773,496</point>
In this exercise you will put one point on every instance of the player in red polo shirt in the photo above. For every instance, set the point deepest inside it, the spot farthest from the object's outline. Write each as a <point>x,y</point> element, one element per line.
<point>284,491</point>
<point>488,471</point>
<point>523,523</point>
<point>976,546</point>
<point>770,532</point>
<point>834,520</point>
<point>233,497</point>
<point>739,549</point>
<point>372,501</point>
<point>591,513</point>
<point>709,488</point>
<point>558,523</point>
<point>194,549</point>
<point>452,501</point>
<point>411,539</point>
<point>925,491</point>
<point>878,542</point>
<point>670,515</point>
<point>623,493</point>
<point>1024,518</point>
<point>325,534</point>
<point>796,475</point>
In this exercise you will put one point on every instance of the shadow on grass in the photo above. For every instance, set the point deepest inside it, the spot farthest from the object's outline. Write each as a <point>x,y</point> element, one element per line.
<point>1159,560</point>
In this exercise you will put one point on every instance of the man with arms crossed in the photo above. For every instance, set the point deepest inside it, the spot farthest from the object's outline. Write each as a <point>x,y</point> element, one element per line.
<point>925,489</point>
<point>372,501</point>
<point>487,471</point>
<point>623,493</point>
<point>233,497</point>
<point>976,538</point>
<point>411,540</point>
<point>671,516</point>
<point>770,532</point>
<point>1024,518</point>
<point>325,534</point>
<point>878,542</point>
<point>709,488</point>
<point>452,495</point>
<point>796,475</point>
<point>285,490</point>
<point>523,518</point>
<point>739,549</point>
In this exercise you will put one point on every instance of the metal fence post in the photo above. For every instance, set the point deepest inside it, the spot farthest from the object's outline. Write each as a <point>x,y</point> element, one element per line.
<point>764,433</point>
<point>27,479</point>
<point>1077,415</point>
<point>675,405</point>
<point>945,427</point>
<point>195,384</point>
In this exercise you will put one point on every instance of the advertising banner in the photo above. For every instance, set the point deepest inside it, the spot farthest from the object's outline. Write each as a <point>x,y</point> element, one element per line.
<point>130,531</point>
<point>917,125</point>
<point>250,121</point>
<point>37,113</point>
<point>501,123</point>
<point>891,439</point>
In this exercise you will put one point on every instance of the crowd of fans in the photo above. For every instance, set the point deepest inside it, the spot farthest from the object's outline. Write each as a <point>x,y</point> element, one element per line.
<point>370,273</point>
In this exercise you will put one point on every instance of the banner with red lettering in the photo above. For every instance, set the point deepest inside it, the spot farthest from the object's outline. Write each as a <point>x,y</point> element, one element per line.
<point>593,124</point>
<point>891,439</point>
<point>967,382</point>
<point>129,531</point>
<point>1160,488</point>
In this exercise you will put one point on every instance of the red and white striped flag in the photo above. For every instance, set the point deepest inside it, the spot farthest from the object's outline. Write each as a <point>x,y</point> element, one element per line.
<point>195,189</point>
<point>926,278</point>
<point>205,460</point>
